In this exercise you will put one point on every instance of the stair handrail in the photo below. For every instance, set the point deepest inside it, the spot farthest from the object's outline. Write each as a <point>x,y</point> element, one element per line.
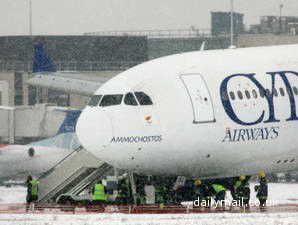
<point>49,171</point>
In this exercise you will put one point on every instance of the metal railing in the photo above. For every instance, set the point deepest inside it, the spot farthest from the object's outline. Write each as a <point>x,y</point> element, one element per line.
<point>178,33</point>
<point>71,65</point>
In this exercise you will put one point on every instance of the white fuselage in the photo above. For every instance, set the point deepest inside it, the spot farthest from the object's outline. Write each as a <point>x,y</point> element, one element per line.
<point>16,161</point>
<point>203,122</point>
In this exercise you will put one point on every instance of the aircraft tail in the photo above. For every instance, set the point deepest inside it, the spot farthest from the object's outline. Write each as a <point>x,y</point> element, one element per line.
<point>41,61</point>
<point>70,121</point>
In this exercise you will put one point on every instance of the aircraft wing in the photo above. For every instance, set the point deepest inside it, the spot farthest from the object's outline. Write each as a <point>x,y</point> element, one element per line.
<point>60,81</point>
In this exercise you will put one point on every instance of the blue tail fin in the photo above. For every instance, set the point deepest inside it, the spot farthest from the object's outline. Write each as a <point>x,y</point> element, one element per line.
<point>41,61</point>
<point>70,121</point>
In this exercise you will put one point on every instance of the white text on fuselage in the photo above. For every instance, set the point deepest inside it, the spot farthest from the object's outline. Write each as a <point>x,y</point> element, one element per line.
<point>137,139</point>
<point>251,134</point>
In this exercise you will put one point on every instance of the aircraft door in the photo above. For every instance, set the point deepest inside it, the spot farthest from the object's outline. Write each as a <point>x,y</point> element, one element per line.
<point>200,98</point>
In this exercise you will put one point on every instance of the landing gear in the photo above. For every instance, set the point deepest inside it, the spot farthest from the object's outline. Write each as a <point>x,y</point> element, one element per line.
<point>133,187</point>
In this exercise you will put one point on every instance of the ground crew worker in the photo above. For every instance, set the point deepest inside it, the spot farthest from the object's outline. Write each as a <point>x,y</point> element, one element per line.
<point>159,194</point>
<point>141,195</point>
<point>235,187</point>
<point>198,188</point>
<point>262,189</point>
<point>99,195</point>
<point>243,192</point>
<point>124,192</point>
<point>208,192</point>
<point>220,192</point>
<point>32,189</point>
<point>198,191</point>
<point>237,193</point>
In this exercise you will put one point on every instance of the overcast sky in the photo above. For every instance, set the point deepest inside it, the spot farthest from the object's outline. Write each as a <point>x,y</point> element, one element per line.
<point>58,17</point>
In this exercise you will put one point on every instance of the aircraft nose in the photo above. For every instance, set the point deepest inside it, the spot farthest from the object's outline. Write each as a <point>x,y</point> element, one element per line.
<point>94,130</point>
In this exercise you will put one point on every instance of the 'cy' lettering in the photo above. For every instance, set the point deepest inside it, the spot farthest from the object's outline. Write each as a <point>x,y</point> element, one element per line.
<point>269,97</point>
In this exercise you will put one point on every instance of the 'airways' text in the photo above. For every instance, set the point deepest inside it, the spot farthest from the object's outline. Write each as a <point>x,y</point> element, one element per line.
<point>251,134</point>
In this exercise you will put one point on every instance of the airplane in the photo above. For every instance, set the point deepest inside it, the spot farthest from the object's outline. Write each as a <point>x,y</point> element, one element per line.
<point>38,157</point>
<point>206,114</point>
<point>19,161</point>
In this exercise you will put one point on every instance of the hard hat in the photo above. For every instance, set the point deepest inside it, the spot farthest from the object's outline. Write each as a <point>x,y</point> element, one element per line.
<point>262,175</point>
<point>242,177</point>
<point>198,182</point>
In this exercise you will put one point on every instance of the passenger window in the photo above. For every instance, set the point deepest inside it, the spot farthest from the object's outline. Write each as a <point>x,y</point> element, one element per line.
<point>95,99</point>
<point>109,100</point>
<point>247,94</point>
<point>295,90</point>
<point>275,92</point>
<point>282,92</point>
<point>130,99</point>
<point>254,93</point>
<point>232,95</point>
<point>240,95</point>
<point>143,98</point>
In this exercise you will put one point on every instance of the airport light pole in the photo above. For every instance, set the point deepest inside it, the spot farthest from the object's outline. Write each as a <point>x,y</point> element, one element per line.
<point>232,23</point>
<point>280,10</point>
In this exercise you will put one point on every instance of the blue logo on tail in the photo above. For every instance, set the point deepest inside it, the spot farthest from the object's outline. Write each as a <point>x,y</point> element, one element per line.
<point>70,121</point>
<point>41,61</point>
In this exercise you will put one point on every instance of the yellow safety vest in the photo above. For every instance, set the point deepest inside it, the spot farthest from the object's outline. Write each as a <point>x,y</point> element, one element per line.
<point>99,193</point>
<point>218,188</point>
<point>34,187</point>
<point>237,185</point>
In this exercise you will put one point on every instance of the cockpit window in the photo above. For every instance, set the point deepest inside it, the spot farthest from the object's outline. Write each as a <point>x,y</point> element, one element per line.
<point>95,99</point>
<point>143,98</point>
<point>130,99</point>
<point>109,100</point>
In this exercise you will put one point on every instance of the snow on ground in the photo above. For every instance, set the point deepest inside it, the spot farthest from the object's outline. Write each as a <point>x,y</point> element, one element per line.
<point>16,194</point>
<point>148,219</point>
<point>282,194</point>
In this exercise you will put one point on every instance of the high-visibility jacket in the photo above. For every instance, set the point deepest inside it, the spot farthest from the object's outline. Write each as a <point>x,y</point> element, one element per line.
<point>218,188</point>
<point>237,185</point>
<point>34,187</point>
<point>99,193</point>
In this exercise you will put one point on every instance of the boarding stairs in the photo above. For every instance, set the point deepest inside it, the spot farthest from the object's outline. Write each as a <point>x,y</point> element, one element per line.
<point>73,174</point>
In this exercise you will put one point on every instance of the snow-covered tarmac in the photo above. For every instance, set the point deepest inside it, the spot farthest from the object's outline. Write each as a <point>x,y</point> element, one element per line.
<point>148,219</point>
<point>281,193</point>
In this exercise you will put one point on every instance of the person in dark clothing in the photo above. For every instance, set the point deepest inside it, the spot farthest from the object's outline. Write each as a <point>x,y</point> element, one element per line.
<point>262,190</point>
<point>235,191</point>
<point>32,190</point>
<point>123,192</point>
<point>28,184</point>
<point>243,192</point>
<point>197,191</point>
<point>207,192</point>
